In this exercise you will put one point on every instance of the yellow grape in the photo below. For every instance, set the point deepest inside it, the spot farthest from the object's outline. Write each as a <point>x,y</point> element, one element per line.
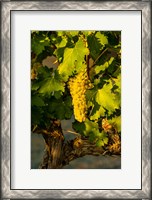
<point>78,86</point>
<point>33,74</point>
<point>105,125</point>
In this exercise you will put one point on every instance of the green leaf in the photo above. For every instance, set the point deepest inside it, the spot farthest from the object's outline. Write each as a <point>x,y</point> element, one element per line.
<point>107,99</point>
<point>68,107</point>
<point>57,94</point>
<point>73,59</point>
<point>68,112</point>
<point>92,137</point>
<point>60,112</point>
<point>102,38</point>
<point>117,89</point>
<point>60,33</point>
<point>62,43</point>
<point>48,51</point>
<point>100,68</point>
<point>87,128</point>
<point>97,112</point>
<point>113,37</point>
<point>37,101</point>
<point>35,85</point>
<point>52,84</point>
<point>78,127</point>
<point>60,108</point>
<point>118,83</point>
<point>100,143</point>
<point>90,127</point>
<point>114,69</point>
<point>102,139</point>
<point>43,72</point>
<point>36,115</point>
<point>59,53</point>
<point>38,44</point>
<point>87,33</point>
<point>74,33</point>
<point>94,46</point>
<point>106,140</point>
<point>116,122</point>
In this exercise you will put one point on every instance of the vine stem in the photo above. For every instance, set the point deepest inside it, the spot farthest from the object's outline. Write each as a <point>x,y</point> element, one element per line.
<point>72,132</point>
<point>99,56</point>
<point>87,62</point>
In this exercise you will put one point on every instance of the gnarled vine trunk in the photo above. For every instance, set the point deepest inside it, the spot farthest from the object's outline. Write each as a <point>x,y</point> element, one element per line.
<point>54,140</point>
<point>59,153</point>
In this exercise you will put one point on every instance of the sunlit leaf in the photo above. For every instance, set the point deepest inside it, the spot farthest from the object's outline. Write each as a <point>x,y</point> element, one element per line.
<point>107,99</point>
<point>102,38</point>
<point>73,59</point>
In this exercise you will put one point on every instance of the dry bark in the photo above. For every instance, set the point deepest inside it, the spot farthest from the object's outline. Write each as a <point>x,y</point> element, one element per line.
<point>59,153</point>
<point>54,140</point>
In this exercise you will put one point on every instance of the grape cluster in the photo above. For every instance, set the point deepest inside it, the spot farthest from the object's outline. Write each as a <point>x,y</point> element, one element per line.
<point>33,74</point>
<point>105,125</point>
<point>78,86</point>
<point>115,147</point>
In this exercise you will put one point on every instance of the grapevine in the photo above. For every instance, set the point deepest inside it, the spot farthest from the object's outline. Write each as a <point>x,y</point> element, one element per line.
<point>79,81</point>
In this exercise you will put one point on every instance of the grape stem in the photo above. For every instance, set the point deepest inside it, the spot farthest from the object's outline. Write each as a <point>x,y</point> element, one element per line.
<point>69,131</point>
<point>87,62</point>
<point>99,56</point>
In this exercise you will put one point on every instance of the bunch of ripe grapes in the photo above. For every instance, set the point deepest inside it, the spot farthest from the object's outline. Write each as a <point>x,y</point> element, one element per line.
<point>78,86</point>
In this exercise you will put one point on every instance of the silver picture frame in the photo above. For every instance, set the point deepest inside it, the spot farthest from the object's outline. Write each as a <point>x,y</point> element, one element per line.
<point>9,6</point>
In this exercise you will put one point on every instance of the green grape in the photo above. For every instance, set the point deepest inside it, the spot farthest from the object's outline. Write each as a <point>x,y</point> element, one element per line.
<point>78,86</point>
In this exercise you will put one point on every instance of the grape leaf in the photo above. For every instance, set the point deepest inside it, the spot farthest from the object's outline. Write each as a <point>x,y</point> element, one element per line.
<point>94,46</point>
<point>59,53</point>
<point>117,89</point>
<point>60,108</point>
<point>62,43</point>
<point>43,72</point>
<point>107,99</point>
<point>97,112</point>
<point>92,130</point>
<point>36,115</point>
<point>74,33</point>
<point>35,85</point>
<point>87,33</point>
<point>116,122</point>
<point>97,69</point>
<point>102,139</point>
<point>100,143</point>
<point>37,101</point>
<point>90,127</point>
<point>68,107</point>
<point>102,38</point>
<point>60,33</point>
<point>113,37</point>
<point>87,128</point>
<point>39,43</point>
<point>78,127</point>
<point>73,59</point>
<point>118,83</point>
<point>52,84</point>
<point>57,94</point>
